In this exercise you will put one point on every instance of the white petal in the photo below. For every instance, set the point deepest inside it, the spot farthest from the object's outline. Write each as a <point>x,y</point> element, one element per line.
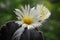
<point>37,24</point>
<point>28,8</point>
<point>19,18</point>
<point>31,11</point>
<point>24,10</point>
<point>24,25</point>
<point>30,27</point>
<point>19,22</point>
<point>46,12</point>
<point>34,12</point>
<point>19,11</point>
<point>18,14</point>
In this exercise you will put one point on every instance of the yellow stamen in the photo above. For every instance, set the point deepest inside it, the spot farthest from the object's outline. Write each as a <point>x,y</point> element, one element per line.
<point>28,20</point>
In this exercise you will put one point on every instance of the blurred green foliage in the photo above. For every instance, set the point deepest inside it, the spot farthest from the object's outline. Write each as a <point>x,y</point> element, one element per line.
<point>51,27</point>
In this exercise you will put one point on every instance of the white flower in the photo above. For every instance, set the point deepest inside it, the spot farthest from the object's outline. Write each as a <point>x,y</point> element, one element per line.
<point>31,17</point>
<point>44,12</point>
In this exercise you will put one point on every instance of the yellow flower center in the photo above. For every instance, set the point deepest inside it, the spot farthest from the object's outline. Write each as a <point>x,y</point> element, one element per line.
<point>28,20</point>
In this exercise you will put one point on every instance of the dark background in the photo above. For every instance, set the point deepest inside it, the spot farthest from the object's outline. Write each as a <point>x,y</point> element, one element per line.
<point>51,28</point>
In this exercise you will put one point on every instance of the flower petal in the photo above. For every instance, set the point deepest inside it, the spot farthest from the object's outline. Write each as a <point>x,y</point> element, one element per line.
<point>45,13</point>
